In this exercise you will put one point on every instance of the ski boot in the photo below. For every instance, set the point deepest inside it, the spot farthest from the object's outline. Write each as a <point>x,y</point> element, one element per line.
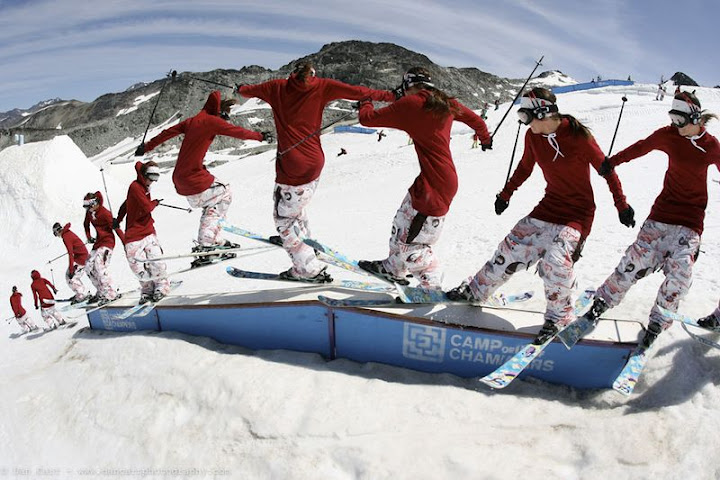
<point>547,331</point>
<point>76,299</point>
<point>598,308</point>
<point>654,329</point>
<point>711,322</point>
<point>461,293</point>
<point>276,240</point>
<point>377,268</point>
<point>93,299</point>
<point>321,277</point>
<point>157,296</point>
<point>145,298</point>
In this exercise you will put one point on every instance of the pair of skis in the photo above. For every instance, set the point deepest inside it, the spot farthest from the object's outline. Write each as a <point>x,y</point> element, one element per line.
<point>143,309</point>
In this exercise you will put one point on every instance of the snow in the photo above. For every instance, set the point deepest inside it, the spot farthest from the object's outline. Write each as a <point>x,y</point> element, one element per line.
<point>96,404</point>
<point>554,78</point>
<point>137,102</point>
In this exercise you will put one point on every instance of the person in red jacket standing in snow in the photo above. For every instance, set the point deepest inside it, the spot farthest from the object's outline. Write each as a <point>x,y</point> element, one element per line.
<point>670,237</point>
<point>43,296</point>
<point>191,177</point>
<point>77,259</point>
<point>103,245</point>
<point>553,234</point>
<point>141,241</point>
<point>21,316</point>
<point>298,103</point>
<point>426,114</point>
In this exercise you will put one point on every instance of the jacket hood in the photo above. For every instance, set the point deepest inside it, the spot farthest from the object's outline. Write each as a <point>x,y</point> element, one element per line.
<point>65,229</point>
<point>212,105</point>
<point>100,198</point>
<point>138,166</point>
<point>34,274</point>
<point>308,84</point>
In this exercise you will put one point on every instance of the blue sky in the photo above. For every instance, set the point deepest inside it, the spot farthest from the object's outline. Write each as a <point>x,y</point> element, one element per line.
<point>83,49</point>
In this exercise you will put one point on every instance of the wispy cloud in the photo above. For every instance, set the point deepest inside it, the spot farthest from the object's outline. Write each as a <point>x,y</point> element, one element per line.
<point>73,48</point>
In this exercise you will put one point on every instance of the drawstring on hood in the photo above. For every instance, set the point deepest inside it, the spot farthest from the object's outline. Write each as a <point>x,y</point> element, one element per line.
<point>553,143</point>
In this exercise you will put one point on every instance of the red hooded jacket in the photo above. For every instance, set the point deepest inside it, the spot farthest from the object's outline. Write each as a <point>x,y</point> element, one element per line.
<point>569,198</point>
<point>102,220</point>
<point>684,196</point>
<point>77,253</point>
<point>297,108</point>
<point>190,175</point>
<point>41,291</point>
<point>16,304</point>
<point>436,186</point>
<point>138,206</point>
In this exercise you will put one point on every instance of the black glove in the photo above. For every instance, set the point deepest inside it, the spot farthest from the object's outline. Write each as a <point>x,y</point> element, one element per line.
<point>500,204</point>
<point>225,116</point>
<point>238,85</point>
<point>140,150</point>
<point>268,137</point>
<point>71,273</point>
<point>36,307</point>
<point>606,167</point>
<point>91,240</point>
<point>358,105</point>
<point>116,224</point>
<point>486,146</point>
<point>399,92</point>
<point>627,217</point>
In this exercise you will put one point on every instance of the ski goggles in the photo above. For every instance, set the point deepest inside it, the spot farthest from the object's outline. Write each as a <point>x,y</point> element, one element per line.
<point>680,119</point>
<point>90,202</point>
<point>153,174</point>
<point>56,230</point>
<point>412,79</point>
<point>527,115</point>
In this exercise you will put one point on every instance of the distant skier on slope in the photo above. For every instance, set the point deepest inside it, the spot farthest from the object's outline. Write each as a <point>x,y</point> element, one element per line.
<point>46,300</point>
<point>140,238</point>
<point>191,177</point>
<point>426,113</point>
<point>298,103</point>
<point>103,245</point>
<point>21,316</point>
<point>77,259</point>
<point>670,237</point>
<point>553,234</point>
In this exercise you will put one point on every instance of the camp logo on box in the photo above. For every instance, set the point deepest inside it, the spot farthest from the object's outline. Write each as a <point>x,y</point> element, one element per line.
<point>424,343</point>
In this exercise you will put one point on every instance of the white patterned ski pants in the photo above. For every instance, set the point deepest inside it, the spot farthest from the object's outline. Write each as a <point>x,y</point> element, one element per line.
<point>152,275</point>
<point>530,241</point>
<point>99,274</point>
<point>215,202</point>
<point>411,239</point>
<point>292,225</point>
<point>25,323</point>
<point>51,316</point>
<point>75,283</point>
<point>672,248</point>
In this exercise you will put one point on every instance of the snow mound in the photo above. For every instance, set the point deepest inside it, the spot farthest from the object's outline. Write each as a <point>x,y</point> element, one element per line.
<point>32,198</point>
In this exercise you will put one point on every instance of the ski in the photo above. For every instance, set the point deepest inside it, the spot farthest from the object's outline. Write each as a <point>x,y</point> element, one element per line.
<point>628,377</point>
<point>95,306</point>
<point>350,302</point>
<point>367,286</point>
<point>247,234</point>
<point>143,309</point>
<point>425,295</point>
<point>572,334</point>
<point>509,371</point>
<point>217,251</point>
<point>684,319</point>
<point>698,338</point>
<point>75,306</point>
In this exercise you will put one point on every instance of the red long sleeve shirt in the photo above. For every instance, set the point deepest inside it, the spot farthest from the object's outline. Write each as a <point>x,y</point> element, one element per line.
<point>569,198</point>
<point>40,290</point>
<point>102,220</point>
<point>139,206</point>
<point>434,189</point>
<point>190,175</point>
<point>684,196</point>
<point>16,304</point>
<point>297,110</point>
<point>77,253</point>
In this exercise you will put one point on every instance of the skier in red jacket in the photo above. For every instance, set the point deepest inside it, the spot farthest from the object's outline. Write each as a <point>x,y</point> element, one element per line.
<point>46,300</point>
<point>191,177</point>
<point>141,241</point>
<point>670,237</point>
<point>21,316</point>
<point>103,246</point>
<point>553,234</point>
<point>426,114</point>
<point>77,259</point>
<point>298,103</point>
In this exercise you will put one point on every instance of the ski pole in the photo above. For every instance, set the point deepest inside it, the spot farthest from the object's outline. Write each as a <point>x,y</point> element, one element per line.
<point>624,99</point>
<point>212,82</point>
<point>512,156</point>
<point>347,115</point>
<point>107,197</point>
<point>171,75</point>
<point>537,64</point>
<point>173,206</point>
